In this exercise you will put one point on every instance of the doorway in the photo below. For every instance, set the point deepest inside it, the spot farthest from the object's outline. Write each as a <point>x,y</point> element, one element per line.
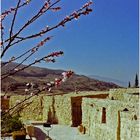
<point>76,111</point>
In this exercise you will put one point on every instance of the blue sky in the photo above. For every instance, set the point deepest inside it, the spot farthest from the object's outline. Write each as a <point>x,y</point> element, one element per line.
<point>104,43</point>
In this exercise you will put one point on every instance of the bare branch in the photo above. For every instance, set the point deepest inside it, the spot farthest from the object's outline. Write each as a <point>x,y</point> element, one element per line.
<point>2,33</point>
<point>13,21</point>
<point>11,38</point>
<point>75,15</point>
<point>40,13</point>
<point>33,49</point>
<point>7,12</point>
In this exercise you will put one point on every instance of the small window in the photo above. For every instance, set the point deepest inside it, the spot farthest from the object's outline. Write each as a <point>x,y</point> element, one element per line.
<point>125,109</point>
<point>103,115</point>
<point>112,98</point>
<point>135,117</point>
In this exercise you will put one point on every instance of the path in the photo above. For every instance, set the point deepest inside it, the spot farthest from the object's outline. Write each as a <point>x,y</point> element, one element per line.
<point>63,132</point>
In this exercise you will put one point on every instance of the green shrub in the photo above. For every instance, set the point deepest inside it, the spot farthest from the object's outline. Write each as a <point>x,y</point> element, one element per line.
<point>11,123</point>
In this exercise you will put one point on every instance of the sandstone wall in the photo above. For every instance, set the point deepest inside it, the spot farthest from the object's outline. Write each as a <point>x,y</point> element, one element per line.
<point>129,126</point>
<point>131,97</point>
<point>118,94</point>
<point>56,109</point>
<point>110,126</point>
<point>61,106</point>
<point>92,110</point>
<point>33,110</point>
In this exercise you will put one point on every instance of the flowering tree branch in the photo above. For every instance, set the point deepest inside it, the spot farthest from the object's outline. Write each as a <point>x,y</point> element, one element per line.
<point>54,54</point>
<point>57,82</point>
<point>31,50</point>
<point>6,13</point>
<point>15,37</point>
<point>44,9</point>
<point>11,10</point>
<point>82,11</point>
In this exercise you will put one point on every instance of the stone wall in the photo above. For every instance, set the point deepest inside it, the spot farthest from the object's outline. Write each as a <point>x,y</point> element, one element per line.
<point>104,126</point>
<point>104,114</point>
<point>131,97</point>
<point>33,110</point>
<point>54,109</point>
<point>57,109</point>
<point>61,106</point>
<point>118,94</point>
<point>112,115</point>
<point>129,126</point>
<point>92,119</point>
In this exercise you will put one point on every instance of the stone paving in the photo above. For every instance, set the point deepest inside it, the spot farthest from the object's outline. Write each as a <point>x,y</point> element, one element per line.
<point>62,132</point>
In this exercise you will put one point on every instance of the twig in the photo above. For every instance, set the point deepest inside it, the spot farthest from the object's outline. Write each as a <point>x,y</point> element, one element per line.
<point>7,12</point>
<point>25,25</point>
<point>13,21</point>
<point>36,61</point>
<point>33,48</point>
<point>61,23</point>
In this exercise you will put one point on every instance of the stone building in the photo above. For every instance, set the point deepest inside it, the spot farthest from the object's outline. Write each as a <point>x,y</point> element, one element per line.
<point>113,118</point>
<point>63,109</point>
<point>67,109</point>
<point>106,115</point>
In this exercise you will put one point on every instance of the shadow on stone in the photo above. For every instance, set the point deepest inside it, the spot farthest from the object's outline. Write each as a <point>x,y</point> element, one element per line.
<point>40,135</point>
<point>52,117</point>
<point>35,132</point>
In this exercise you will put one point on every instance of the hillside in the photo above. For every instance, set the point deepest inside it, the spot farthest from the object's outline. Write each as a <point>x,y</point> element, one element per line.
<point>107,79</point>
<point>40,76</point>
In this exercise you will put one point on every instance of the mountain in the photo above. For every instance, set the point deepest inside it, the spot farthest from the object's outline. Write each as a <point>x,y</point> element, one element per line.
<point>40,76</point>
<point>106,79</point>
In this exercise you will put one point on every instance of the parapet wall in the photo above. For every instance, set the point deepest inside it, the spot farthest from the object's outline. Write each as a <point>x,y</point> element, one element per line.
<point>118,94</point>
<point>33,108</point>
<point>55,109</point>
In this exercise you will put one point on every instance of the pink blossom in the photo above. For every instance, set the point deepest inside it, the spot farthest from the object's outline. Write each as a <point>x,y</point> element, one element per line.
<point>31,93</point>
<point>76,15</point>
<point>26,90</point>
<point>56,9</point>
<point>67,18</point>
<point>49,89</point>
<point>56,54</point>
<point>16,69</point>
<point>64,79</point>
<point>48,84</point>
<point>49,60</point>
<point>64,74</point>
<point>46,5</point>
<point>5,97</point>
<point>57,82</point>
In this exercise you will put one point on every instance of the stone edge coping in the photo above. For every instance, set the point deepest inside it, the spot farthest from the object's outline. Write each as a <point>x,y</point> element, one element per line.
<point>34,123</point>
<point>107,102</point>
